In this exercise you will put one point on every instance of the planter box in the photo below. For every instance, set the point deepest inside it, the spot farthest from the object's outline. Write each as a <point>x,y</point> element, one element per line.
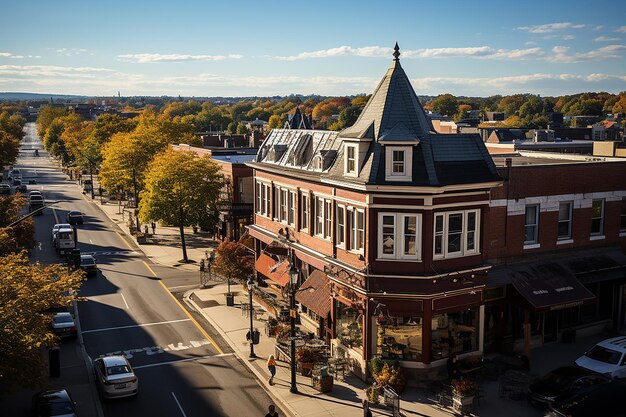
<point>463,403</point>
<point>323,383</point>
<point>306,368</point>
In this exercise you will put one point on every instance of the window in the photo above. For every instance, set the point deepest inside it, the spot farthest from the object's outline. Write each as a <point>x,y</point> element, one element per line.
<point>456,234</point>
<point>341,226</point>
<point>356,229</point>
<point>304,220</point>
<point>350,166</point>
<point>328,218</point>
<point>275,201</point>
<point>291,215</point>
<point>319,216</point>
<point>262,199</point>
<point>266,197</point>
<point>565,221</point>
<point>622,217</point>
<point>398,236</point>
<point>397,163</point>
<point>531,225</point>
<point>282,213</point>
<point>597,217</point>
<point>259,199</point>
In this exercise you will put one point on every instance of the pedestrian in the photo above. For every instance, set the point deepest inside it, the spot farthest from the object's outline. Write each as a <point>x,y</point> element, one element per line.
<point>145,229</point>
<point>272,411</point>
<point>153,227</point>
<point>271,366</point>
<point>366,409</point>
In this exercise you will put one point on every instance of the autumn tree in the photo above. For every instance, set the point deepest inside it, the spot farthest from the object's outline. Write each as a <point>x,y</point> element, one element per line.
<point>233,262</point>
<point>276,122</point>
<point>27,291</point>
<point>12,124</point>
<point>445,104</point>
<point>46,116</point>
<point>9,149</point>
<point>179,187</point>
<point>21,236</point>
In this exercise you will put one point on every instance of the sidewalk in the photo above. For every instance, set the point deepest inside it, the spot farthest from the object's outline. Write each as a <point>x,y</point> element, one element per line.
<point>345,398</point>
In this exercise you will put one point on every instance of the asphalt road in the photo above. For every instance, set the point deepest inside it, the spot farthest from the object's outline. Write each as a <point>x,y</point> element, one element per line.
<point>183,369</point>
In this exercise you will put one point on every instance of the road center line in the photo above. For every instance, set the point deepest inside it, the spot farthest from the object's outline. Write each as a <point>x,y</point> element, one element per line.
<point>123,298</point>
<point>177,403</point>
<point>134,325</point>
<point>182,360</point>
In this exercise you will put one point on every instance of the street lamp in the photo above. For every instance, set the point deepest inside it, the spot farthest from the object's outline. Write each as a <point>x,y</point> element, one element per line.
<point>293,281</point>
<point>250,285</point>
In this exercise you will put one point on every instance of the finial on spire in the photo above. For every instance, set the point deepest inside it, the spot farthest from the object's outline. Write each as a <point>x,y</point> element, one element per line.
<point>396,52</point>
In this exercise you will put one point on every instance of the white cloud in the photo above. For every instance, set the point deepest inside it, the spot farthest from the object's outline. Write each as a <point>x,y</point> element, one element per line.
<point>605,39</point>
<point>598,27</point>
<point>621,29</point>
<point>530,43</point>
<point>550,27</point>
<point>561,54</point>
<point>156,58</point>
<point>368,51</point>
<point>568,37</point>
<point>13,56</point>
<point>72,51</point>
<point>29,71</point>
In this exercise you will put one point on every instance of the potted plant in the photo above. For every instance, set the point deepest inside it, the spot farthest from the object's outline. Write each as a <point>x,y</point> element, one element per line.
<point>463,392</point>
<point>306,359</point>
<point>391,375</point>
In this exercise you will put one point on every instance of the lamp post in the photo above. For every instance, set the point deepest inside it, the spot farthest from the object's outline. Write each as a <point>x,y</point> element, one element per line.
<point>250,285</point>
<point>293,281</point>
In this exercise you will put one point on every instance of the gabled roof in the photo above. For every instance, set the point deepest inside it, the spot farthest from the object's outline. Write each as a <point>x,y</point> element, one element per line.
<point>393,106</point>
<point>298,121</point>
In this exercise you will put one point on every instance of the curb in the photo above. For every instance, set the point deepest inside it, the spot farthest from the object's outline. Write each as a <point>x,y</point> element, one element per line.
<point>262,379</point>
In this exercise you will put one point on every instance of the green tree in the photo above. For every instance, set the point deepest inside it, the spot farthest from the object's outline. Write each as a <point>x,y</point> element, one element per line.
<point>179,188</point>
<point>13,125</point>
<point>242,129</point>
<point>232,128</point>
<point>276,122</point>
<point>9,149</point>
<point>233,261</point>
<point>445,104</point>
<point>26,292</point>
<point>46,116</point>
<point>21,236</point>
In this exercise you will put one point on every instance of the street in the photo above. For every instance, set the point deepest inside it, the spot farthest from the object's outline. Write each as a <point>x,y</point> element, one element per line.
<point>128,309</point>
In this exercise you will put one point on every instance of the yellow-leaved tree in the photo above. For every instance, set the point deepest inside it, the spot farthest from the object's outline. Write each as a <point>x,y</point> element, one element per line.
<point>180,188</point>
<point>27,292</point>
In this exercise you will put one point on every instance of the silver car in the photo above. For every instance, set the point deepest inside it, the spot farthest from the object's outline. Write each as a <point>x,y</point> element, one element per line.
<point>63,325</point>
<point>58,226</point>
<point>115,377</point>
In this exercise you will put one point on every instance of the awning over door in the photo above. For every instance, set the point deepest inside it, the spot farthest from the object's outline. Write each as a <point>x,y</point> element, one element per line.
<point>549,286</point>
<point>318,299</point>
<point>277,271</point>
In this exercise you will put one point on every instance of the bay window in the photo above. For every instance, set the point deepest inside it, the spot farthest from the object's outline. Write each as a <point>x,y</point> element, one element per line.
<point>456,233</point>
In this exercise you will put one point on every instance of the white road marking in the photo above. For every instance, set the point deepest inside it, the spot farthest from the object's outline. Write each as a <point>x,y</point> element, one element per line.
<point>127,308</point>
<point>91,241</point>
<point>182,286</point>
<point>182,360</point>
<point>134,325</point>
<point>152,350</point>
<point>181,408</point>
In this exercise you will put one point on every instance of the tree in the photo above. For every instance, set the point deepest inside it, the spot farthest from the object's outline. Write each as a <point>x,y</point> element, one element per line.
<point>276,122</point>
<point>46,116</point>
<point>27,291</point>
<point>179,187</point>
<point>445,104</point>
<point>21,236</point>
<point>233,261</point>
<point>242,129</point>
<point>9,149</point>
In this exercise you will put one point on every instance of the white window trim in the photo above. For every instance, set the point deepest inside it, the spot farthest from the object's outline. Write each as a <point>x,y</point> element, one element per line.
<point>463,252</point>
<point>318,227</point>
<point>600,234</point>
<point>408,163</point>
<point>570,221</point>
<point>398,233</point>
<point>291,208</point>
<point>342,245</point>
<point>351,213</point>
<point>305,210</point>
<point>535,224</point>
<point>355,171</point>
<point>263,189</point>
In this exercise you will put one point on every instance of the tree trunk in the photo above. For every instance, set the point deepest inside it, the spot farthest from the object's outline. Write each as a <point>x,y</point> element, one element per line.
<point>182,235</point>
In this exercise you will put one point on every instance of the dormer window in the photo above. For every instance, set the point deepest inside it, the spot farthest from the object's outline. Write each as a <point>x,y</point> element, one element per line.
<point>398,163</point>
<point>351,160</point>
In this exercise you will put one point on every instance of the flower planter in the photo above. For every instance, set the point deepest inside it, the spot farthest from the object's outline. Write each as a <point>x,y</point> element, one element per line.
<point>306,368</point>
<point>463,403</point>
<point>323,383</point>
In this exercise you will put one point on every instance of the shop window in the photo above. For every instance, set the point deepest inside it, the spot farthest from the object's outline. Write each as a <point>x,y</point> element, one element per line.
<point>454,333</point>
<point>349,326</point>
<point>400,338</point>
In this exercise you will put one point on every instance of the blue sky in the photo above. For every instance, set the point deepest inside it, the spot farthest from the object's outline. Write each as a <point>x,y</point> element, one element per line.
<point>245,48</point>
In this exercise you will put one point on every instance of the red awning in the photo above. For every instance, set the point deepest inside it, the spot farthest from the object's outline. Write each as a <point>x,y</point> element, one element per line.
<point>269,268</point>
<point>319,299</point>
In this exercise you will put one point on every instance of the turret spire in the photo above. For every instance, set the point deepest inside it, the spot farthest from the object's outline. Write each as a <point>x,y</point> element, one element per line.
<point>396,52</point>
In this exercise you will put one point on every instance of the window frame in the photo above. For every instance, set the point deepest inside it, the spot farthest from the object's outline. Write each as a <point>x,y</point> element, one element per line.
<point>444,234</point>
<point>569,219</point>
<point>340,226</point>
<point>399,236</point>
<point>318,217</point>
<point>304,211</point>
<point>600,232</point>
<point>351,160</point>
<point>356,234</point>
<point>534,224</point>
<point>398,163</point>
<point>405,175</point>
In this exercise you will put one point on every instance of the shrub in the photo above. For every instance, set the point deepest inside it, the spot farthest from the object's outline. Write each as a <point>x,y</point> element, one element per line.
<point>463,386</point>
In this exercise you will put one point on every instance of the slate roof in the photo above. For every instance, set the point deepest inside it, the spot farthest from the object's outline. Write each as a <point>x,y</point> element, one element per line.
<point>298,121</point>
<point>392,116</point>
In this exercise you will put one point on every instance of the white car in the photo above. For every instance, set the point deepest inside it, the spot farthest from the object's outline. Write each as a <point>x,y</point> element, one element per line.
<point>14,174</point>
<point>607,357</point>
<point>115,377</point>
<point>63,325</point>
<point>58,226</point>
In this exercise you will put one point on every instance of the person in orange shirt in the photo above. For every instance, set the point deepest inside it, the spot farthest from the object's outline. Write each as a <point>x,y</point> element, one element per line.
<point>271,366</point>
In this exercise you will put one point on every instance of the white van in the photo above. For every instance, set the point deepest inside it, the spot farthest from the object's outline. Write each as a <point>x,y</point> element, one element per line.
<point>64,240</point>
<point>607,357</point>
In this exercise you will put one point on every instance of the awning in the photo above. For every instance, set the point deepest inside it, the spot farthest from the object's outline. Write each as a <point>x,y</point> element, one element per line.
<point>549,286</point>
<point>272,269</point>
<point>319,299</point>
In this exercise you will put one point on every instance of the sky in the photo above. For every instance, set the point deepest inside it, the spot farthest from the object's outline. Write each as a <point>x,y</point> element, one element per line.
<point>250,48</point>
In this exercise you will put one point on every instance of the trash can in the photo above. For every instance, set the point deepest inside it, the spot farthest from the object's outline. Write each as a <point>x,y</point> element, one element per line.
<point>54,362</point>
<point>230,300</point>
<point>256,336</point>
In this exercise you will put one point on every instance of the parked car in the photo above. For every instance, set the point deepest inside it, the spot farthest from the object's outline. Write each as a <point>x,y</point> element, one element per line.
<point>63,324</point>
<point>606,400</point>
<point>19,186</point>
<point>53,403</point>
<point>35,202</point>
<point>5,188</point>
<point>562,382</point>
<point>88,264</point>
<point>74,217</point>
<point>606,357</point>
<point>115,377</point>
<point>32,181</point>
<point>14,173</point>
<point>55,230</point>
